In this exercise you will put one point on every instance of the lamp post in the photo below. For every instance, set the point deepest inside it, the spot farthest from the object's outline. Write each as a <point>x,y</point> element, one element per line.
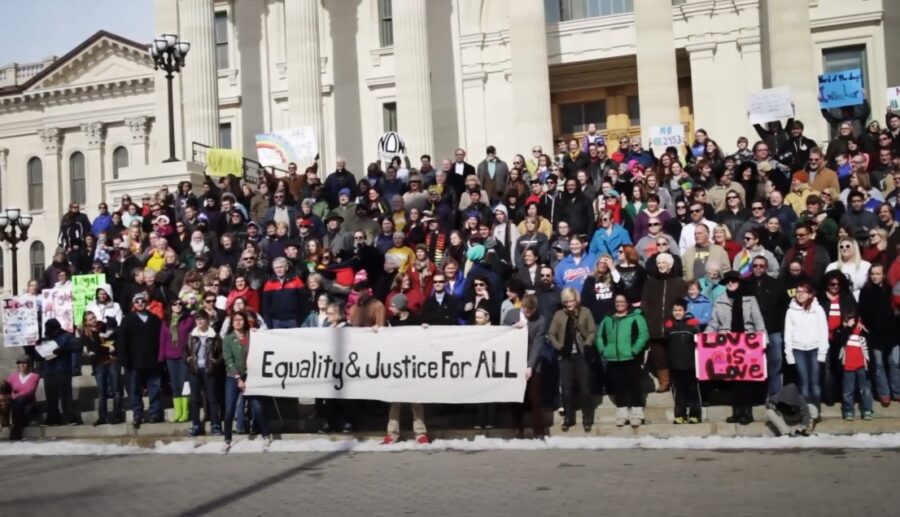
<point>168,53</point>
<point>14,229</point>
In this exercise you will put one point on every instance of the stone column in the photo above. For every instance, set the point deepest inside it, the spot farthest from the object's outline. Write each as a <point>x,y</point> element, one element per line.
<point>304,67</point>
<point>413,79</point>
<point>657,76</point>
<point>200,97</point>
<point>788,56</point>
<point>51,138</point>
<point>530,73</point>
<point>137,151</point>
<point>4,177</point>
<point>93,165</point>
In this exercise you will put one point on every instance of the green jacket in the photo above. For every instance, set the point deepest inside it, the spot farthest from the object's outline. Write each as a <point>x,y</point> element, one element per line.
<point>235,356</point>
<point>622,338</point>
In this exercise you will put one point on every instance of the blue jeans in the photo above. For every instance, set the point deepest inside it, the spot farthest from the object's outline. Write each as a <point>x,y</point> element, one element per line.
<point>178,374</point>
<point>107,377</point>
<point>854,382</point>
<point>808,375</point>
<point>151,378</point>
<point>256,408</point>
<point>284,324</point>
<point>887,377</point>
<point>774,359</point>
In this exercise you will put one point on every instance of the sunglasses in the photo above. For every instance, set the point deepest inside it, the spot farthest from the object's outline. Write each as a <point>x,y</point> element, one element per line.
<point>213,300</point>
<point>655,224</point>
<point>436,281</point>
<point>834,284</point>
<point>696,210</point>
<point>798,235</point>
<point>844,247</point>
<point>140,302</point>
<point>758,208</point>
<point>480,284</point>
<point>759,266</point>
<point>731,197</point>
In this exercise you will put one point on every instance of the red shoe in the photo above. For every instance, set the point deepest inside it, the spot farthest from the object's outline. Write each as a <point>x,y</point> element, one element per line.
<point>885,401</point>
<point>422,439</point>
<point>388,440</point>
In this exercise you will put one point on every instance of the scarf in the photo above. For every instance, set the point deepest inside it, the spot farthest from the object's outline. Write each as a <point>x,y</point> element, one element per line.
<point>574,154</point>
<point>809,259</point>
<point>173,329</point>
<point>737,310</point>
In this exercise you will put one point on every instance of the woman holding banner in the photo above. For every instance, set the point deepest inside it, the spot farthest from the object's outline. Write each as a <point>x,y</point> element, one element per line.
<point>234,349</point>
<point>736,312</point>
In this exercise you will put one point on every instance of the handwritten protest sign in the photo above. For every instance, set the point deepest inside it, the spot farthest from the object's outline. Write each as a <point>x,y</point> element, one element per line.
<point>770,105</point>
<point>280,148</point>
<point>84,289</point>
<point>57,303</point>
<point>893,97</point>
<point>839,89</point>
<point>731,356</point>
<point>20,321</point>
<point>665,136</point>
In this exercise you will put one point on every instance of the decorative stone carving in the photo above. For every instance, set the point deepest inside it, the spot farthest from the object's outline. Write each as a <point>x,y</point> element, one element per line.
<point>51,138</point>
<point>94,131</point>
<point>138,128</point>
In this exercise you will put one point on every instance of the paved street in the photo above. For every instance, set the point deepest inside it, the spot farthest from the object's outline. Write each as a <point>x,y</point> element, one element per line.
<point>615,482</point>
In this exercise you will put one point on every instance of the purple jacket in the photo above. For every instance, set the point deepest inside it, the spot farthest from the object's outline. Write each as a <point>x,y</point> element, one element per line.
<point>166,350</point>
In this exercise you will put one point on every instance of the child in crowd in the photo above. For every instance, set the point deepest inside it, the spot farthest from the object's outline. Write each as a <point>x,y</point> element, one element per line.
<point>680,330</point>
<point>787,408</point>
<point>698,304</point>
<point>851,339</point>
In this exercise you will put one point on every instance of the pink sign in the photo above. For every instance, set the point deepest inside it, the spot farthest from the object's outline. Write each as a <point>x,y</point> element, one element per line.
<point>731,356</point>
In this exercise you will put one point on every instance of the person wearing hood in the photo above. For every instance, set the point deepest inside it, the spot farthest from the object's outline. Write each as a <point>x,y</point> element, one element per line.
<point>228,252</point>
<point>505,232</point>
<point>575,208</point>
<point>735,311</point>
<point>806,341</point>
<point>800,192</point>
<point>57,373</point>
<point>661,289</point>
<point>104,308</point>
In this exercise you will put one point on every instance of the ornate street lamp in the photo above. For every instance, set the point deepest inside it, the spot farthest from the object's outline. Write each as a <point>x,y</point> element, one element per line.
<point>14,229</point>
<point>168,53</point>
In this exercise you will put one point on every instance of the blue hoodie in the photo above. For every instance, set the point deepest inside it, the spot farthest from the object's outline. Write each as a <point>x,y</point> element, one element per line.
<point>102,223</point>
<point>569,274</point>
<point>700,307</point>
<point>602,243</point>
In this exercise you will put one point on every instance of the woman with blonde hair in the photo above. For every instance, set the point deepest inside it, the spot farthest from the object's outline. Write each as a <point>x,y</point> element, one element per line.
<point>851,264</point>
<point>571,333</point>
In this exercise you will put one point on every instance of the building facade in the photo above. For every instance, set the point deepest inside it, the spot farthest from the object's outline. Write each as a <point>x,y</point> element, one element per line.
<point>93,124</point>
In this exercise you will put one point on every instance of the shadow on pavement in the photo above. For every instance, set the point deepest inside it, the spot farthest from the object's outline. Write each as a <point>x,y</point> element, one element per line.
<point>219,503</point>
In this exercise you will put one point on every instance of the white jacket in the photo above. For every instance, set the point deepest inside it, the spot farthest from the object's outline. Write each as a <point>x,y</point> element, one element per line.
<point>857,274</point>
<point>805,330</point>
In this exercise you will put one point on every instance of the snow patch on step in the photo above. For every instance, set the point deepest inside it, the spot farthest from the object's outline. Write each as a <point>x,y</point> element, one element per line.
<point>480,443</point>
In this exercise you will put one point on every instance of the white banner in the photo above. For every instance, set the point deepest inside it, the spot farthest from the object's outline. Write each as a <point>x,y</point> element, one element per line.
<point>893,98</point>
<point>770,105</point>
<point>449,365</point>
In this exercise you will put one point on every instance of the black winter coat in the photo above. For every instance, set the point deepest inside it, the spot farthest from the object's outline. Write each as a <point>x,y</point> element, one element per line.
<point>679,335</point>
<point>138,342</point>
<point>877,315</point>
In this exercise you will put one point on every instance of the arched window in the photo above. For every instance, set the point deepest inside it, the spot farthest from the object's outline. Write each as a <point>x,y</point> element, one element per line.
<point>37,259</point>
<point>76,178</point>
<point>120,160</point>
<point>35,184</point>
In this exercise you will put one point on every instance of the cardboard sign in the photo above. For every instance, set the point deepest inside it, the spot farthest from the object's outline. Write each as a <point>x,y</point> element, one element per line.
<point>84,290</point>
<point>770,105</point>
<point>731,356</point>
<point>839,89</point>
<point>893,98</point>
<point>279,148</point>
<point>661,137</point>
<point>20,321</point>
<point>57,303</point>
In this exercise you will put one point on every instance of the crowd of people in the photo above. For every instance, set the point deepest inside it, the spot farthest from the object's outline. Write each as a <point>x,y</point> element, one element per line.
<point>612,255</point>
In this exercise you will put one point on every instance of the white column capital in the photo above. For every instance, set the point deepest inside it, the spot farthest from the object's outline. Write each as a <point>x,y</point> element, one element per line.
<point>51,138</point>
<point>137,127</point>
<point>701,50</point>
<point>94,131</point>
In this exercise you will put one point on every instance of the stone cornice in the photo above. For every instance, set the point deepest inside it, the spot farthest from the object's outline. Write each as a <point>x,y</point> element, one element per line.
<point>79,92</point>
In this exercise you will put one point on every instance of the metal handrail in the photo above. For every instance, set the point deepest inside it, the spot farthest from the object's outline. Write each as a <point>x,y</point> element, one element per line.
<point>252,169</point>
